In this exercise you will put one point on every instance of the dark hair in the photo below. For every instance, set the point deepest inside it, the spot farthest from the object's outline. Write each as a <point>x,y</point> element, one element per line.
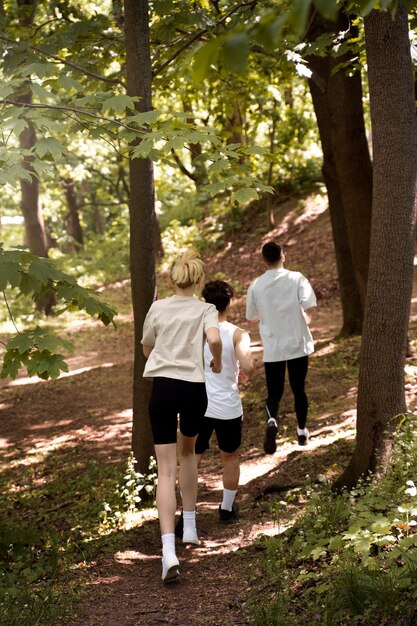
<point>271,252</point>
<point>219,293</point>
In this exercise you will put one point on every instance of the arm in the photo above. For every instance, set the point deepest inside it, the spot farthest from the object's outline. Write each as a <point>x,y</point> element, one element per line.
<point>243,352</point>
<point>146,350</point>
<point>308,314</point>
<point>215,346</point>
<point>251,310</point>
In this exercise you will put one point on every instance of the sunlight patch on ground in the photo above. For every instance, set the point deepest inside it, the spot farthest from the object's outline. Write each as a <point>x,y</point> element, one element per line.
<point>34,380</point>
<point>106,580</point>
<point>45,446</point>
<point>127,557</point>
<point>313,207</point>
<point>326,349</point>
<point>4,443</point>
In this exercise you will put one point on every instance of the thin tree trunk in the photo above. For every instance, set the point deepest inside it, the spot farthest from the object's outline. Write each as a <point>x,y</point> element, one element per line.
<point>72,219</point>
<point>381,396</point>
<point>142,222</point>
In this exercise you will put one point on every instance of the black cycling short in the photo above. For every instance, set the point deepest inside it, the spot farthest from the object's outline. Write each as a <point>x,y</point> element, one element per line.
<point>172,397</point>
<point>228,433</point>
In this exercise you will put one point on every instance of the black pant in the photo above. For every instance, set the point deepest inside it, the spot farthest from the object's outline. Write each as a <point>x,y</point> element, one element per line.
<point>275,377</point>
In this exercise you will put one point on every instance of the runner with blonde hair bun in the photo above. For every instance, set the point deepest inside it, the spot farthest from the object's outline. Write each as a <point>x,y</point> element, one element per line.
<point>174,334</point>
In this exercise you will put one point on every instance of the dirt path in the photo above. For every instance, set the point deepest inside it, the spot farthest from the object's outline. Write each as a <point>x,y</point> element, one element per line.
<point>89,413</point>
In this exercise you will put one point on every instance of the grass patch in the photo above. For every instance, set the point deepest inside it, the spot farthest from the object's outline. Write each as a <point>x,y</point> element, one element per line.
<point>56,524</point>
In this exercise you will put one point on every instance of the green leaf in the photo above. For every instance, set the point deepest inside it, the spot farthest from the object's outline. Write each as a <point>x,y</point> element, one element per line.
<point>269,29</point>
<point>299,15</point>
<point>206,56</point>
<point>145,118</point>
<point>49,145</point>
<point>366,6</point>
<point>68,83</point>
<point>336,542</point>
<point>22,342</point>
<point>9,273</point>
<point>11,365</point>
<point>245,195</point>
<point>118,104</point>
<point>219,166</point>
<point>381,525</point>
<point>40,92</point>
<point>236,52</point>
<point>327,8</point>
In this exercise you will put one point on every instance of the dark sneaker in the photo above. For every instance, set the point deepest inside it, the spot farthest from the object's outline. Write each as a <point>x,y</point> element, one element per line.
<point>270,445</point>
<point>302,436</point>
<point>179,527</point>
<point>226,516</point>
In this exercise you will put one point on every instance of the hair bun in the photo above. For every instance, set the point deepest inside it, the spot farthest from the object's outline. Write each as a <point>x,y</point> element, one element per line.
<point>187,270</point>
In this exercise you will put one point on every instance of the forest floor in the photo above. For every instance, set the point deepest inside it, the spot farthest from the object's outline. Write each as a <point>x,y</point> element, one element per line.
<point>83,420</point>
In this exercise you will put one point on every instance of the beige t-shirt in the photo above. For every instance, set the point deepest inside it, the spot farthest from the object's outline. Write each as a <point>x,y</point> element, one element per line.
<point>176,328</point>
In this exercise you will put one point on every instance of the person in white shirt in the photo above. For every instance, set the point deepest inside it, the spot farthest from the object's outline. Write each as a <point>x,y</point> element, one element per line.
<point>174,334</point>
<point>282,301</point>
<point>224,414</point>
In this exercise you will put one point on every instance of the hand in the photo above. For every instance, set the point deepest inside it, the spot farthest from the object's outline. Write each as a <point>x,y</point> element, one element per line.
<point>216,369</point>
<point>243,377</point>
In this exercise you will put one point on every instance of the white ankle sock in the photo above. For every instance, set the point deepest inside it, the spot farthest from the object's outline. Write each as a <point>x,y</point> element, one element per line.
<point>302,431</point>
<point>168,545</point>
<point>189,522</point>
<point>228,499</point>
<point>189,534</point>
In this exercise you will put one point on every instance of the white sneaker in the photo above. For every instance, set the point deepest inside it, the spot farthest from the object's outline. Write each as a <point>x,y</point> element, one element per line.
<point>302,436</point>
<point>170,569</point>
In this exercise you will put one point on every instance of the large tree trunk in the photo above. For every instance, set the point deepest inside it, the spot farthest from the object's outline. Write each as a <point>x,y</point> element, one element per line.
<point>381,397</point>
<point>348,287</point>
<point>337,99</point>
<point>142,222</point>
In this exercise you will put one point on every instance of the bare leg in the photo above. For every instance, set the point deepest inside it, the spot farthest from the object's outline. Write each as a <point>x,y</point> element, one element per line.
<point>166,456</point>
<point>188,471</point>
<point>188,484</point>
<point>231,469</point>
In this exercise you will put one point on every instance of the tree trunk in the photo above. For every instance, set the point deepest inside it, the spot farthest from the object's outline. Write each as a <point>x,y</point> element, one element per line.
<point>98,222</point>
<point>200,176</point>
<point>381,397</point>
<point>349,293</point>
<point>72,219</point>
<point>337,99</point>
<point>35,235</point>
<point>142,222</point>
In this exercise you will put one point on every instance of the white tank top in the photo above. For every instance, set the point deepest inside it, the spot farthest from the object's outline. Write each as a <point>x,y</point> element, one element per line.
<point>222,389</point>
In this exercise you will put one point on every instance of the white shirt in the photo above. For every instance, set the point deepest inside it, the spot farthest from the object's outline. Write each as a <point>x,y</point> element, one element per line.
<point>277,298</point>
<point>176,328</point>
<point>222,389</point>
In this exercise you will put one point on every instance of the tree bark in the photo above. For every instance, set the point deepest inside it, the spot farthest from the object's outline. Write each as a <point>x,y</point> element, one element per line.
<point>352,310</point>
<point>337,99</point>
<point>35,233</point>
<point>142,222</point>
<point>381,396</point>
<point>72,219</point>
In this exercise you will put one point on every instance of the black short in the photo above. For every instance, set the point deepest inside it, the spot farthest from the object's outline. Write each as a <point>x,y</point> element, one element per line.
<point>171,397</point>
<point>228,433</point>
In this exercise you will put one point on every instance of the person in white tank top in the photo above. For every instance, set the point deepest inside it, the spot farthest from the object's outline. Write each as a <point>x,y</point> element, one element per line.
<point>224,412</point>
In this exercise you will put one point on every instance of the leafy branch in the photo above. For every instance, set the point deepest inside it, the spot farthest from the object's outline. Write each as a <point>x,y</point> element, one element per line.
<point>36,349</point>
